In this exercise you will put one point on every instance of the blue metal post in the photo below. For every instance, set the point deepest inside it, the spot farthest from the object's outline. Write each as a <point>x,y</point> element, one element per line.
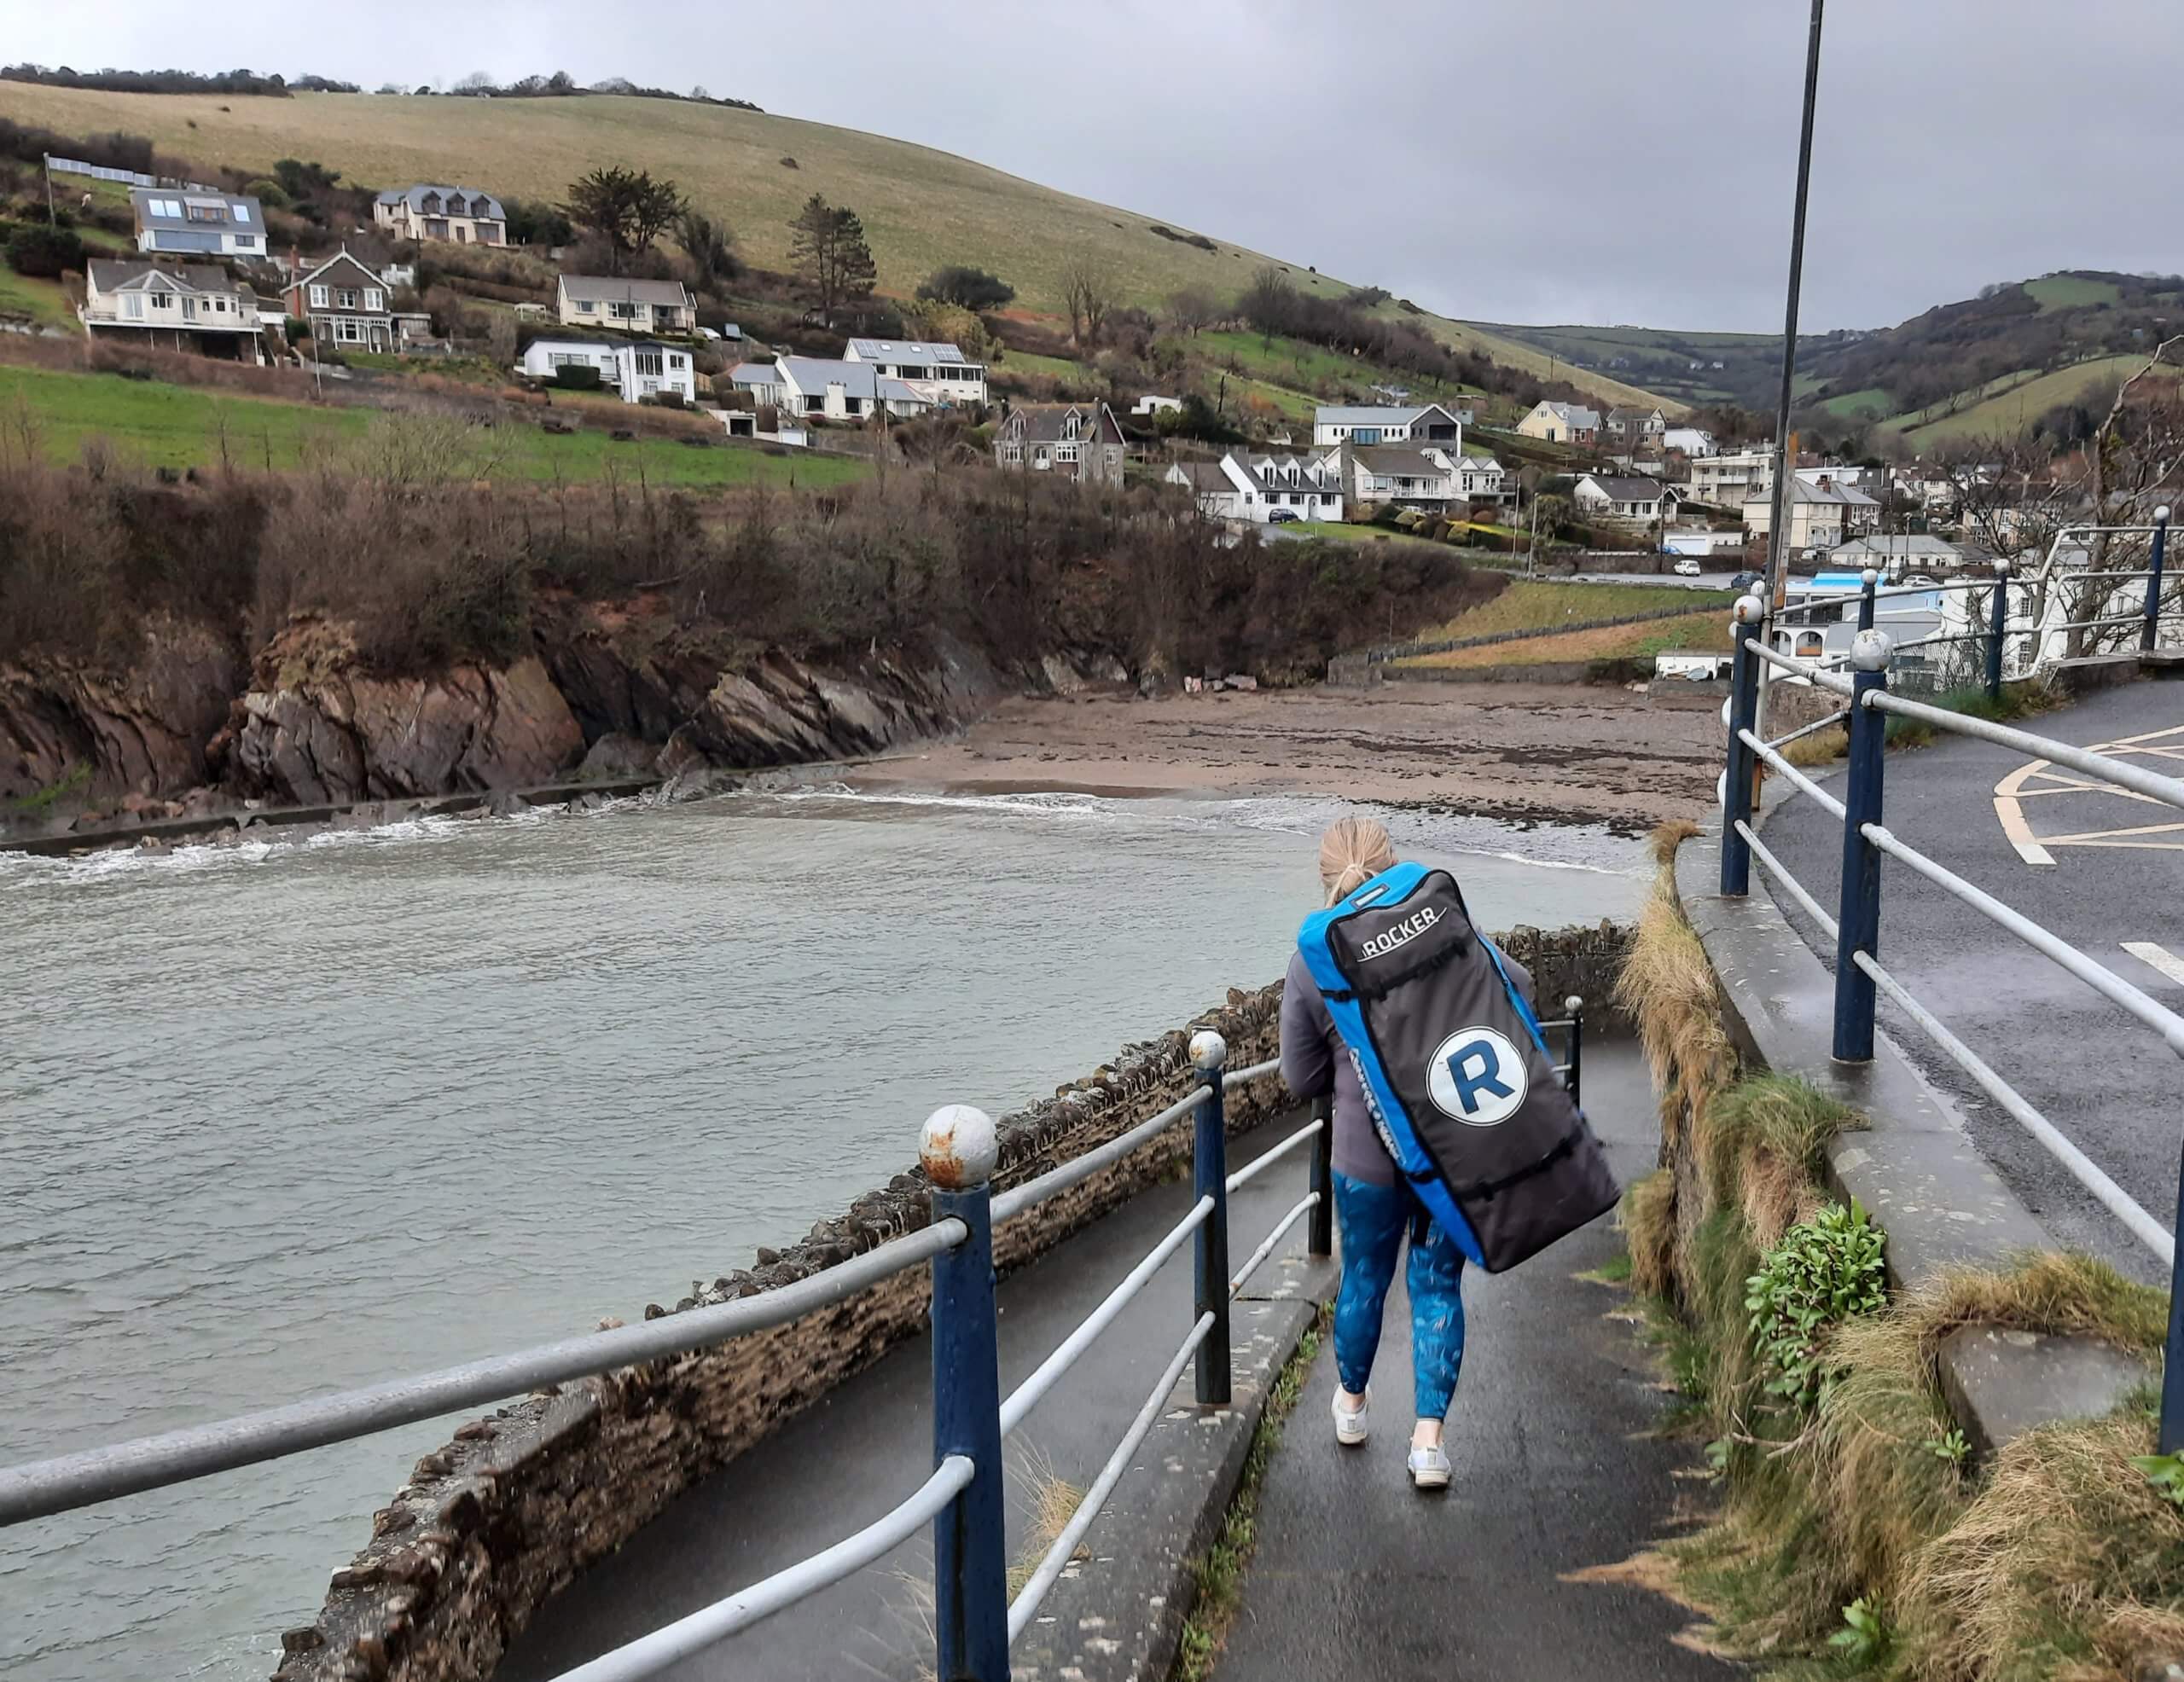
<point>2171,1437</point>
<point>1867,582</point>
<point>1858,913</point>
<point>1319,1225</point>
<point>1998,619</point>
<point>970,1561</point>
<point>1210,1177</point>
<point>1741,776</point>
<point>1576,1006</point>
<point>2146,633</point>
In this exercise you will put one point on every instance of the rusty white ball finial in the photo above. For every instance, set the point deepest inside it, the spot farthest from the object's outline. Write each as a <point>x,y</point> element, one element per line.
<point>1209,1051</point>
<point>1573,1004</point>
<point>1870,649</point>
<point>958,1147</point>
<point>1747,610</point>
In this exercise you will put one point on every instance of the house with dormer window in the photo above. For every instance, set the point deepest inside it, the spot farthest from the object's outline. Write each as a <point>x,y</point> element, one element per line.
<point>462,215</point>
<point>188,306</point>
<point>1265,490</point>
<point>183,220</point>
<point>1081,441</point>
<point>345,303</point>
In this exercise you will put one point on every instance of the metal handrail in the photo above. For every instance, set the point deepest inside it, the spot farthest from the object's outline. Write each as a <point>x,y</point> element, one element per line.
<point>2104,981</point>
<point>1257,1259</point>
<point>1814,729</point>
<point>1798,779</point>
<point>1780,872</point>
<point>1267,1157</point>
<point>1028,1395</point>
<point>652,1652</point>
<point>2167,790</point>
<point>1820,675</point>
<point>1236,1077</point>
<point>1008,1204</point>
<point>1026,1606</point>
<point>65,1482</point>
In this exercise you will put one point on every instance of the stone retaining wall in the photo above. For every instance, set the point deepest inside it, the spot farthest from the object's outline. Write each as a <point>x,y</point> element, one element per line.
<point>491,1525</point>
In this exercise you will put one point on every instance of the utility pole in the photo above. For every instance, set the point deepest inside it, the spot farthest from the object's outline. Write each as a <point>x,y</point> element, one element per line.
<point>50,220</point>
<point>1777,536</point>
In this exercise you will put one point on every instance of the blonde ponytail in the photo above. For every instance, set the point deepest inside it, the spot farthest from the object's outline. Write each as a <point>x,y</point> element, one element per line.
<point>1352,852</point>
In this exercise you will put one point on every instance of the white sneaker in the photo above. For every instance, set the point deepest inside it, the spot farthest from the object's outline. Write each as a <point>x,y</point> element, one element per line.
<point>1430,1468</point>
<point>1353,1426</point>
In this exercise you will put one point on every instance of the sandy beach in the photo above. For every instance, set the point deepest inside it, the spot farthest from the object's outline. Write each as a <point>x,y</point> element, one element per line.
<point>1521,752</point>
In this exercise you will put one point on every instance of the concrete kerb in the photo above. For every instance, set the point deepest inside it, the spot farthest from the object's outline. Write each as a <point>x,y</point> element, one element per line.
<point>1915,1169</point>
<point>1118,1613</point>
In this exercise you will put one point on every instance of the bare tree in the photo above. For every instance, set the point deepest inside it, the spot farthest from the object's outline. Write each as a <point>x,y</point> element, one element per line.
<point>1193,309</point>
<point>1087,292</point>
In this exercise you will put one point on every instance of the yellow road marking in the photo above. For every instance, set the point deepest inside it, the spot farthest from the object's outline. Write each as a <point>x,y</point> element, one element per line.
<point>2041,777</point>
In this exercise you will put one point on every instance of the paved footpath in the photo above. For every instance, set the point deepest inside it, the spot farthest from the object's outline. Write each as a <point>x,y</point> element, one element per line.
<point>2103,870</point>
<point>1359,1576</point>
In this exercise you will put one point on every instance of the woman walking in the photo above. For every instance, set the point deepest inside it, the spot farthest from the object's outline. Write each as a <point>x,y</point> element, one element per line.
<point>1374,1208</point>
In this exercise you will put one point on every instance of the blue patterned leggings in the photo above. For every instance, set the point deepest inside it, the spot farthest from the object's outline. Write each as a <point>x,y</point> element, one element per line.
<point>1374,1219</point>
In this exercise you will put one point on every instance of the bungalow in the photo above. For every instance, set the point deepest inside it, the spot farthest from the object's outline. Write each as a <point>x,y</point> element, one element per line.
<point>632,368</point>
<point>1561,423</point>
<point>939,372</point>
<point>593,301</point>
<point>1822,513</point>
<point>344,304</point>
<point>1397,473</point>
<point>1263,489</point>
<point>761,381</point>
<point>844,391</point>
<point>1438,422</point>
<point>464,215</point>
<point>1152,403</point>
<point>1623,501</point>
<point>196,305</point>
<point>184,219</point>
<point>1894,555</point>
<point>1077,440</point>
<point>1693,441</point>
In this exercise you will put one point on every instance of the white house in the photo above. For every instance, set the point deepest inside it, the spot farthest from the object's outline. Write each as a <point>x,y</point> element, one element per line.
<point>1263,489</point>
<point>1401,474</point>
<point>847,391</point>
<point>940,373</point>
<point>633,369</point>
<point>1411,424</point>
<point>1561,423</point>
<point>190,306</point>
<point>184,219</point>
<point>1151,403</point>
<point>627,306</point>
<point>1730,480</point>
<point>1481,479</point>
<point>1693,441</point>
<point>1626,500</point>
<point>461,215</point>
<point>762,380</point>
<point>1821,514</point>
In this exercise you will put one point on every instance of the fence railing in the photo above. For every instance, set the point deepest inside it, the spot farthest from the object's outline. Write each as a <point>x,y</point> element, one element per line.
<point>974,1618</point>
<point>1855,923</point>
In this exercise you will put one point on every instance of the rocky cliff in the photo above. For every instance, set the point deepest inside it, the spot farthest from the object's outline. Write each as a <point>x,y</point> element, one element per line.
<point>603,691</point>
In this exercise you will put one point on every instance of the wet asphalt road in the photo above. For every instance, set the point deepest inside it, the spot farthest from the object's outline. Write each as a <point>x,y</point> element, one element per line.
<point>2103,1078</point>
<point>1557,1470</point>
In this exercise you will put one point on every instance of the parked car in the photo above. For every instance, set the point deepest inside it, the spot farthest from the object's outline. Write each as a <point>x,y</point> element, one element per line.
<point>1282,516</point>
<point>1687,568</point>
<point>1748,581</point>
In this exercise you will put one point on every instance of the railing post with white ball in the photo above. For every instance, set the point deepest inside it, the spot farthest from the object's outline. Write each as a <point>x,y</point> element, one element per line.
<point>959,1148</point>
<point>1858,911</point>
<point>1737,781</point>
<point>2154,559</point>
<point>1210,1179</point>
<point>1998,624</point>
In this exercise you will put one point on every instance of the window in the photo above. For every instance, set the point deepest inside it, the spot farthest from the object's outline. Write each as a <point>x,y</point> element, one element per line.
<point>165,208</point>
<point>585,306</point>
<point>246,241</point>
<point>648,362</point>
<point>204,212</point>
<point>374,299</point>
<point>163,300</point>
<point>678,362</point>
<point>1064,452</point>
<point>242,212</point>
<point>623,312</point>
<point>345,298</point>
<point>318,297</point>
<point>133,306</point>
<point>347,331</point>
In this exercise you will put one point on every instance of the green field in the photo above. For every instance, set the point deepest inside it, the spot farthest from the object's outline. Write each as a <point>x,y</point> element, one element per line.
<point>1029,362</point>
<point>1871,405</point>
<point>922,208</point>
<point>2013,406</point>
<point>2072,292</point>
<point>1532,604</point>
<point>161,425</point>
<point>42,301</point>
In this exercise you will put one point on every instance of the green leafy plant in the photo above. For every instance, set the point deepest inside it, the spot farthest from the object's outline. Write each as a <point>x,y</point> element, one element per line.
<point>1863,1639</point>
<point>1951,1446</point>
<point>2166,1472</point>
<point>1825,1271</point>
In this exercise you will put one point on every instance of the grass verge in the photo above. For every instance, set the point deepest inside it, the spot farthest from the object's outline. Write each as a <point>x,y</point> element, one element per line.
<point>1220,1573</point>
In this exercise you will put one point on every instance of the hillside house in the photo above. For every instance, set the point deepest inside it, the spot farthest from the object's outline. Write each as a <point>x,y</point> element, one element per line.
<point>1481,479</point>
<point>1896,555</point>
<point>1245,486</point>
<point>1636,432</point>
<point>1693,441</point>
<point>1152,403</point>
<point>1874,481</point>
<point>176,219</point>
<point>1821,515</point>
<point>844,391</point>
<point>181,307</point>
<point>1400,474</point>
<point>1561,423</point>
<point>1077,440</point>
<point>1623,501</point>
<point>344,303</point>
<point>939,372</point>
<point>461,215</point>
<point>1731,480</point>
<point>1440,423</point>
<point>760,381</point>
<point>632,368</point>
<point>596,301</point>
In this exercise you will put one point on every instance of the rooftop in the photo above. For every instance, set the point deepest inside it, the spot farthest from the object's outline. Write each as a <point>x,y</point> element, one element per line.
<point>904,351</point>
<point>171,207</point>
<point>613,289</point>
<point>482,203</point>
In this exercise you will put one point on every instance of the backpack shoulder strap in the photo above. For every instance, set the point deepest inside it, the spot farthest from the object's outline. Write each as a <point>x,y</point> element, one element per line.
<point>1516,996</point>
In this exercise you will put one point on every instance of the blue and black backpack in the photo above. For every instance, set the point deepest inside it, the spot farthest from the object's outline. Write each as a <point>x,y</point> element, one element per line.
<point>1454,1067</point>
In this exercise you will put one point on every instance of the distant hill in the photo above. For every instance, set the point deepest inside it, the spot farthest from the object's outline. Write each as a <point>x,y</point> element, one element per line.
<point>922,208</point>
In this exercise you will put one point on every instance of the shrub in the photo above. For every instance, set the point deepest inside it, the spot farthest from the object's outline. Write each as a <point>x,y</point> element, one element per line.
<point>1825,1270</point>
<point>967,288</point>
<point>668,399</point>
<point>577,377</point>
<point>45,252</point>
<point>268,192</point>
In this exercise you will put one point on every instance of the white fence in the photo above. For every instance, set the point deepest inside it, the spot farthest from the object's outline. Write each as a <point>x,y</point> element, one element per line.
<point>126,178</point>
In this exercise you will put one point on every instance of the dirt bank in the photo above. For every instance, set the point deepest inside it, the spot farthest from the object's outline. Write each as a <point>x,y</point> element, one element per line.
<point>1512,750</point>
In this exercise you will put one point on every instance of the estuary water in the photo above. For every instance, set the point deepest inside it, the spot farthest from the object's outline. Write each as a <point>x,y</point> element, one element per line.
<point>281,1119</point>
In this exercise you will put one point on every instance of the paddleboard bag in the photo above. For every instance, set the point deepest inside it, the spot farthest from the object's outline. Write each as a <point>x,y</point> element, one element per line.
<point>1454,1067</point>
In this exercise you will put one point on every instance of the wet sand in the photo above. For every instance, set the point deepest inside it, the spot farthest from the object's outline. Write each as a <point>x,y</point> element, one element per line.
<point>1520,752</point>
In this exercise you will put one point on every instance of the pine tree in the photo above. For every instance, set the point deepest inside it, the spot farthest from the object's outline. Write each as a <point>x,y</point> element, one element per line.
<point>833,262</point>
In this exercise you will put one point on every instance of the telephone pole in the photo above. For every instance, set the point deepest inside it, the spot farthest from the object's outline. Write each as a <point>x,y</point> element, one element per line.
<point>1777,537</point>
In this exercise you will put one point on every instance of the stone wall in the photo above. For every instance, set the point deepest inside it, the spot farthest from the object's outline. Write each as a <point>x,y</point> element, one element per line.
<point>491,1525</point>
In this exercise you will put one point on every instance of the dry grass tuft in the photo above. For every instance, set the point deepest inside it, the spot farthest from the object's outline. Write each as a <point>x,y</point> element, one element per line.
<point>1668,836</point>
<point>1822,747</point>
<point>1666,986</point>
<point>1765,1143</point>
<point>1648,1217</point>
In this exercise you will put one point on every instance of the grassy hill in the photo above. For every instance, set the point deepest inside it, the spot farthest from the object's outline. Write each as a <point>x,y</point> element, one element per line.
<point>1661,359</point>
<point>922,208</point>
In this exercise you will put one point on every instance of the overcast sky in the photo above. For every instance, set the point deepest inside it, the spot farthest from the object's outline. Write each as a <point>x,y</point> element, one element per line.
<point>1555,160</point>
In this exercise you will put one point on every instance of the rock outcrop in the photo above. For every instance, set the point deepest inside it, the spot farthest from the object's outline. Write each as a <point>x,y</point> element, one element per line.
<point>101,734</point>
